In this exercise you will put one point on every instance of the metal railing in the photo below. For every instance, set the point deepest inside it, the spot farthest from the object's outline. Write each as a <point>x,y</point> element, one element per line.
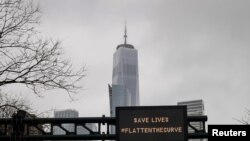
<point>20,128</point>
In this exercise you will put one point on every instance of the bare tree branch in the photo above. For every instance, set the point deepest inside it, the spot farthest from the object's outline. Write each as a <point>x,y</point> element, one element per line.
<point>28,59</point>
<point>10,105</point>
<point>245,119</point>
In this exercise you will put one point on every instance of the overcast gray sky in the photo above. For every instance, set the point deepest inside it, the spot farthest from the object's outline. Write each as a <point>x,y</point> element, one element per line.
<point>188,49</point>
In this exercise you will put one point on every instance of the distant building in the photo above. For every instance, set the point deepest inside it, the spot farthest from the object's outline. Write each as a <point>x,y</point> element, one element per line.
<point>194,108</point>
<point>69,113</point>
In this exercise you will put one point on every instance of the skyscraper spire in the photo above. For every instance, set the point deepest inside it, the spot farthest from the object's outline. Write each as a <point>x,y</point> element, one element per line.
<point>125,34</point>
<point>125,44</point>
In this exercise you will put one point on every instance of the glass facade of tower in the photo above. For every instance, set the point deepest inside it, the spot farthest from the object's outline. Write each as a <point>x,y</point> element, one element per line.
<point>125,81</point>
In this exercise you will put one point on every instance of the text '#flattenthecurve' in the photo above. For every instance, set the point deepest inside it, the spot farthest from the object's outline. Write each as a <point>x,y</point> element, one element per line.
<point>149,130</point>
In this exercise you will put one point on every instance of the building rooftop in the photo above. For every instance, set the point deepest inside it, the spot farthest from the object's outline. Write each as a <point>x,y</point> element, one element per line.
<point>125,46</point>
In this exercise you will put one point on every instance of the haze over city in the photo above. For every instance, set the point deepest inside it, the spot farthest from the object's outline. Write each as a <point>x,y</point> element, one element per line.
<point>188,50</point>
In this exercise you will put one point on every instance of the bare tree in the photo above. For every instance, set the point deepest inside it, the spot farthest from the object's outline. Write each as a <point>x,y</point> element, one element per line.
<point>10,105</point>
<point>246,118</point>
<point>25,57</point>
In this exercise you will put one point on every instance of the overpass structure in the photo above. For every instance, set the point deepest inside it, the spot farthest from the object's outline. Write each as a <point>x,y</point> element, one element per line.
<point>19,128</point>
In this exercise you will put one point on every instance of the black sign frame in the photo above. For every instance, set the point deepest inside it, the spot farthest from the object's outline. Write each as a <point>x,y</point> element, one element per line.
<point>183,109</point>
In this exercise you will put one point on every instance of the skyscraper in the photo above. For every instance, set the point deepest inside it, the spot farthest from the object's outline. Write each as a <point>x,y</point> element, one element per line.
<point>125,81</point>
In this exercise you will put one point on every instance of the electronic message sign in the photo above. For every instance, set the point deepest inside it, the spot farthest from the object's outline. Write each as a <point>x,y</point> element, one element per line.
<point>151,123</point>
